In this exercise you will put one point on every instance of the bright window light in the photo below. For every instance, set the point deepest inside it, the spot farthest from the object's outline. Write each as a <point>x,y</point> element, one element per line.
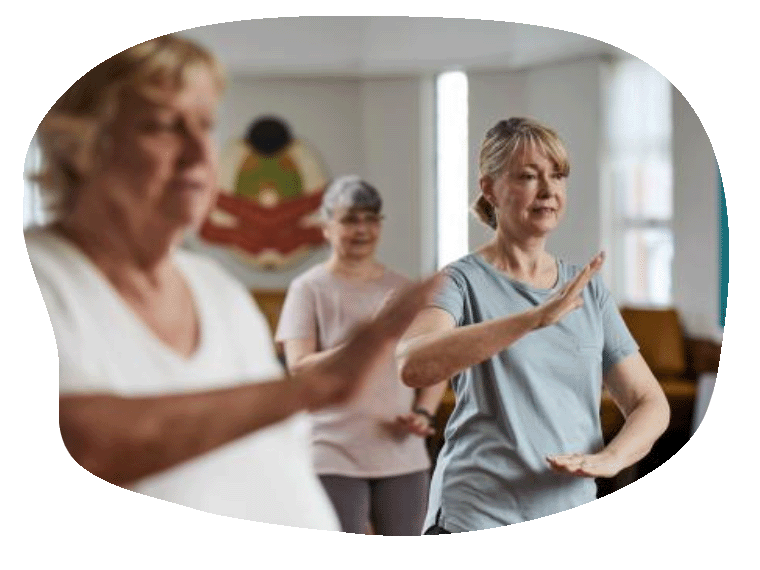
<point>639,133</point>
<point>451,167</point>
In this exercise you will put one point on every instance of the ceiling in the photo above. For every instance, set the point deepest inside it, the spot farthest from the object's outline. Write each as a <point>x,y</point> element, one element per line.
<point>362,46</point>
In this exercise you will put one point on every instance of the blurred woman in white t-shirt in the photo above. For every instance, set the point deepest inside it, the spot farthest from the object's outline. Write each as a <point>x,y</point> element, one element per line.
<point>169,384</point>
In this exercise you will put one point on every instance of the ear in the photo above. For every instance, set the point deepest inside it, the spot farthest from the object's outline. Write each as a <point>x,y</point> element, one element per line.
<point>486,188</point>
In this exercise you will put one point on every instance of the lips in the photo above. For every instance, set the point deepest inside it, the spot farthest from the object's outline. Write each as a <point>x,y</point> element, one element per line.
<point>544,210</point>
<point>188,185</point>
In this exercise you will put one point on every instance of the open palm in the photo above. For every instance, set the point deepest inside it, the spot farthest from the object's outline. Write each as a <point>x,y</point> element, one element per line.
<point>569,297</point>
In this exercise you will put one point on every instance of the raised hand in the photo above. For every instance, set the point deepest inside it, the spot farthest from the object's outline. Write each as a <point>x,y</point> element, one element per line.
<point>585,465</point>
<point>335,379</point>
<point>569,297</point>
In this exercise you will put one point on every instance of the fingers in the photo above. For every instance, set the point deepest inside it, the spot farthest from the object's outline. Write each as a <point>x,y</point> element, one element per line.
<point>338,378</point>
<point>581,465</point>
<point>399,311</point>
<point>416,424</point>
<point>581,280</point>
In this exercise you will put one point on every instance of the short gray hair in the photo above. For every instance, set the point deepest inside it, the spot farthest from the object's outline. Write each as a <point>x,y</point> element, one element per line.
<point>350,192</point>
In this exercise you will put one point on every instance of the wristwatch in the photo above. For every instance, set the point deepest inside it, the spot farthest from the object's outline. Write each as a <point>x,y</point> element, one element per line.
<point>424,412</point>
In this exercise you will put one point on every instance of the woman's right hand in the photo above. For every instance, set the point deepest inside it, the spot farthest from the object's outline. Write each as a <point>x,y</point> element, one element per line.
<point>336,378</point>
<point>569,297</point>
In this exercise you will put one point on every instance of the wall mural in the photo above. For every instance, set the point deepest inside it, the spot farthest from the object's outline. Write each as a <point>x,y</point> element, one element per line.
<point>271,190</point>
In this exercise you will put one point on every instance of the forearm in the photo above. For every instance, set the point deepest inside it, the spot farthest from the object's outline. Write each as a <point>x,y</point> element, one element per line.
<point>429,398</point>
<point>124,439</point>
<point>643,426</point>
<point>303,362</point>
<point>433,358</point>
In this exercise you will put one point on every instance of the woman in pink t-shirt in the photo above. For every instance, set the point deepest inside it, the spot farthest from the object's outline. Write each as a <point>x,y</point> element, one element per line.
<point>370,454</point>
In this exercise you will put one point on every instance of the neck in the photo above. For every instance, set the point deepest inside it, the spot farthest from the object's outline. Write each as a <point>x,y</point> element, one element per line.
<point>132,259</point>
<point>520,258</point>
<point>354,268</point>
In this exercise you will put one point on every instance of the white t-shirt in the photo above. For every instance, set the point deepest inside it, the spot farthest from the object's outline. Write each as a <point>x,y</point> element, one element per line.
<point>354,439</point>
<point>104,347</point>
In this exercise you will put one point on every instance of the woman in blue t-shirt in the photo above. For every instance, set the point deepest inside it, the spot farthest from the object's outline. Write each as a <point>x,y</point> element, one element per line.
<point>528,341</point>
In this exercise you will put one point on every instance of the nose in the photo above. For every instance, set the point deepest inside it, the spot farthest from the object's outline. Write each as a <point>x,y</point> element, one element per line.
<point>196,146</point>
<point>546,186</point>
<point>543,186</point>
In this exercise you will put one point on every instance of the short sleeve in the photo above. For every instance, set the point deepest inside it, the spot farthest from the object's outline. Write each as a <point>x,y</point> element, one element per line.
<point>618,341</point>
<point>450,297</point>
<point>298,318</point>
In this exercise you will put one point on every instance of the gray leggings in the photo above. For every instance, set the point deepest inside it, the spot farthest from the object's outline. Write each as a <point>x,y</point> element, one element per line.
<point>395,505</point>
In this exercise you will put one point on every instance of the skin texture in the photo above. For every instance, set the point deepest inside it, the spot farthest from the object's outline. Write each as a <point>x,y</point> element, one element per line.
<point>153,178</point>
<point>529,198</point>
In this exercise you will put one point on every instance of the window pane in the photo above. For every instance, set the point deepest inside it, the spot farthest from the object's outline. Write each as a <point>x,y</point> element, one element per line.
<point>639,114</point>
<point>643,186</point>
<point>648,257</point>
<point>451,167</point>
<point>33,214</point>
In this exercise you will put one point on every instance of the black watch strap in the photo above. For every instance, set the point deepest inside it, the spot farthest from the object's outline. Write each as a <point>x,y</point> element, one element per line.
<point>424,412</point>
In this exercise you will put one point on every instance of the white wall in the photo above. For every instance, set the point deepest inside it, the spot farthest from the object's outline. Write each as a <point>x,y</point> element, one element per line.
<point>566,97</point>
<point>392,131</point>
<point>695,222</point>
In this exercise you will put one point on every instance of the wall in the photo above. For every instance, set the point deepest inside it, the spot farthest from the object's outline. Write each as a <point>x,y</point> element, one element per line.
<point>695,222</point>
<point>393,147</point>
<point>567,97</point>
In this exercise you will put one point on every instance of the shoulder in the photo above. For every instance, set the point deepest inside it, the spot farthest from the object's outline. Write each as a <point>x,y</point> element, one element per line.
<point>45,247</point>
<point>465,269</point>
<point>205,267</point>
<point>59,267</point>
<point>315,276</point>
<point>211,281</point>
<point>395,279</point>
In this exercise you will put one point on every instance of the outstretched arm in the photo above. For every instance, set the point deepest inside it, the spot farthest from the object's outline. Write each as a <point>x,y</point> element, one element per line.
<point>124,439</point>
<point>640,398</point>
<point>434,349</point>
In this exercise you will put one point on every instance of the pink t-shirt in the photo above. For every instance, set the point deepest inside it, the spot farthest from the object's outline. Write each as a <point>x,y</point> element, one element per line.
<point>353,440</point>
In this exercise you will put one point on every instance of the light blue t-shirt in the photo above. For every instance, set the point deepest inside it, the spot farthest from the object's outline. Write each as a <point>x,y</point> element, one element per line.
<point>538,397</point>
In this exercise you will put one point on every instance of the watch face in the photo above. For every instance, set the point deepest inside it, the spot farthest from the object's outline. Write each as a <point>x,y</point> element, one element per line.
<point>266,215</point>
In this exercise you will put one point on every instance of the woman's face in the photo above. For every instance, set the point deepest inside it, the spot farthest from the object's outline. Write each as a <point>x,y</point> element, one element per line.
<point>353,233</point>
<point>529,195</point>
<point>158,161</point>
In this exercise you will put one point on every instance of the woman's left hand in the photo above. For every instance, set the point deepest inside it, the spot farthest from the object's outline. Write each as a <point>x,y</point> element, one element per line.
<point>585,465</point>
<point>414,423</point>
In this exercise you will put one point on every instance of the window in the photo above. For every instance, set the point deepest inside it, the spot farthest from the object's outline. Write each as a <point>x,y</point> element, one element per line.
<point>640,179</point>
<point>451,167</point>
<point>33,208</point>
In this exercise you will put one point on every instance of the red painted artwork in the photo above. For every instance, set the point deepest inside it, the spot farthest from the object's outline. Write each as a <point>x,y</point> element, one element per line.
<point>267,210</point>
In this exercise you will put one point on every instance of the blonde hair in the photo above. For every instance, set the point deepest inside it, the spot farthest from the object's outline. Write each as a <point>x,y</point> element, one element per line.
<point>501,145</point>
<point>71,130</point>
